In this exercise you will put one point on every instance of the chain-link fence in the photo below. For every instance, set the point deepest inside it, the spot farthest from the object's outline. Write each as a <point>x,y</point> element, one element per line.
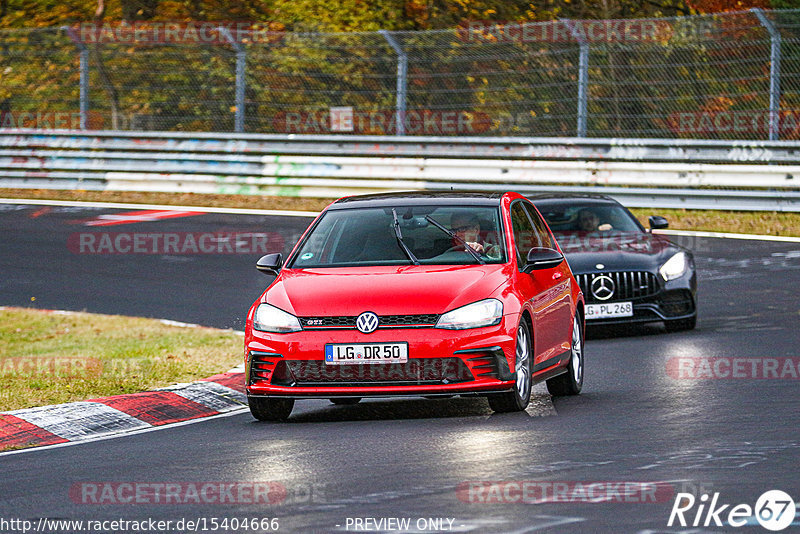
<point>726,76</point>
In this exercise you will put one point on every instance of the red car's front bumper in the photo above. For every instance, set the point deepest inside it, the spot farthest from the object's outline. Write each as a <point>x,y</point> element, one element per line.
<point>440,362</point>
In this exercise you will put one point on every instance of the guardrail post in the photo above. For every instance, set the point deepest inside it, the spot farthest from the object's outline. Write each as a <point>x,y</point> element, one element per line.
<point>402,74</point>
<point>774,73</point>
<point>84,76</point>
<point>583,78</point>
<point>241,60</point>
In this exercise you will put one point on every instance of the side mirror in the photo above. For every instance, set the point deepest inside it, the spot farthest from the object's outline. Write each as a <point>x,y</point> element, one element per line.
<point>270,264</point>
<point>542,258</point>
<point>657,223</point>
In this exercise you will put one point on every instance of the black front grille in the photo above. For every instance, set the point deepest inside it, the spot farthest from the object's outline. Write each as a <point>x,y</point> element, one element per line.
<point>628,285</point>
<point>484,366</point>
<point>262,364</point>
<point>384,321</point>
<point>417,371</point>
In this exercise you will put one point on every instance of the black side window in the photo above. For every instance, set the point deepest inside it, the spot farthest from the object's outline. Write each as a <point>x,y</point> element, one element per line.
<point>545,237</point>
<point>525,237</point>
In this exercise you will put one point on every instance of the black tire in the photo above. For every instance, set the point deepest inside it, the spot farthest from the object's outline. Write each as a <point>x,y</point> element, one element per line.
<point>345,401</point>
<point>517,399</point>
<point>270,409</point>
<point>571,382</point>
<point>679,325</point>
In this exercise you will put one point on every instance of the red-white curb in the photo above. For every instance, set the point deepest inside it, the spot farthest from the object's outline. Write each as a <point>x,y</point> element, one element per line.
<point>76,421</point>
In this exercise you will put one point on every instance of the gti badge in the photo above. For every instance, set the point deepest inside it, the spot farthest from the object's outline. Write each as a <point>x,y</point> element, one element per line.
<point>602,287</point>
<point>367,322</point>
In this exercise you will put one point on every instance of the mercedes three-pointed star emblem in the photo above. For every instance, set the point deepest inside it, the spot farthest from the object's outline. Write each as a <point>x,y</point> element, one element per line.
<point>603,287</point>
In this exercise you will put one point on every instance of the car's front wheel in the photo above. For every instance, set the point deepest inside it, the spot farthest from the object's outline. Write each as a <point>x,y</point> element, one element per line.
<point>269,409</point>
<point>517,399</point>
<point>571,382</point>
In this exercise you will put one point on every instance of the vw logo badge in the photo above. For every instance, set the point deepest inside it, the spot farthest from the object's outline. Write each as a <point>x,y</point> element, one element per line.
<point>367,322</point>
<point>603,287</point>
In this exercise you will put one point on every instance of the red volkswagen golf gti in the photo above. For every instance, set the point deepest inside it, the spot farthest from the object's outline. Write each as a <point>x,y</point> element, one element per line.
<point>407,294</point>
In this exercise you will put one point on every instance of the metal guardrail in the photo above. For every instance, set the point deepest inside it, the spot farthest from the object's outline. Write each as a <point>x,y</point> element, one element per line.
<point>551,148</point>
<point>645,173</point>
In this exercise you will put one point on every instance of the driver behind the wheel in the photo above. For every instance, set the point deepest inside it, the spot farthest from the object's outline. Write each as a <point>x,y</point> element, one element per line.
<point>468,228</point>
<point>588,221</point>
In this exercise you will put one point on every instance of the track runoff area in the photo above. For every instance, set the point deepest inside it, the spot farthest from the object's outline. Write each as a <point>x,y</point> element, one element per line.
<point>684,432</point>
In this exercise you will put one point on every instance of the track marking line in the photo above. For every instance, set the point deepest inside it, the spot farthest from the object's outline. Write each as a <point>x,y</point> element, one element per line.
<point>38,213</point>
<point>725,235</point>
<point>291,213</point>
<point>131,217</point>
<point>119,205</point>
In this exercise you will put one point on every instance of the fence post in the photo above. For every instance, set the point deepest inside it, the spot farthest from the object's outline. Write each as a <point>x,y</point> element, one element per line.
<point>774,74</point>
<point>583,77</point>
<point>402,71</point>
<point>84,76</point>
<point>241,59</point>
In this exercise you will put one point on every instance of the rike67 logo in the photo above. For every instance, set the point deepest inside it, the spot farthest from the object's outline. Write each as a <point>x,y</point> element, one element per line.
<point>774,510</point>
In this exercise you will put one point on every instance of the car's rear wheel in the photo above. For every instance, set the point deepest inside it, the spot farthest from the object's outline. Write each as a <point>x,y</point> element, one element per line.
<point>269,409</point>
<point>345,401</point>
<point>571,382</point>
<point>679,325</point>
<point>517,399</point>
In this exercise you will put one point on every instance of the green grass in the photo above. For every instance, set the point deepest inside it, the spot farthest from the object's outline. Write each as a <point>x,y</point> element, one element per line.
<point>737,222</point>
<point>50,358</point>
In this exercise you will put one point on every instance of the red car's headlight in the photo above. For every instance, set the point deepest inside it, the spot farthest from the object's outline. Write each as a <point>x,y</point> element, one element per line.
<point>271,319</point>
<point>486,312</point>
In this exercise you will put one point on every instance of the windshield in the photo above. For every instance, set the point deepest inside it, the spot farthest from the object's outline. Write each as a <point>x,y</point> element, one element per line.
<point>570,218</point>
<point>369,236</point>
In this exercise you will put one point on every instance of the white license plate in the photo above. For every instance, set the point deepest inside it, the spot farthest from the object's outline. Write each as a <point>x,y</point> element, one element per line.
<point>608,310</point>
<point>365,353</point>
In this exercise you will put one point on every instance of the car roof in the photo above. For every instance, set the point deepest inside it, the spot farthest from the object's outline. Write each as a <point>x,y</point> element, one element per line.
<point>571,198</point>
<point>473,198</point>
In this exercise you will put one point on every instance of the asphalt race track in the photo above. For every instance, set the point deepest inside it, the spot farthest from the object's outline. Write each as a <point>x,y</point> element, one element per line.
<point>444,465</point>
<point>41,258</point>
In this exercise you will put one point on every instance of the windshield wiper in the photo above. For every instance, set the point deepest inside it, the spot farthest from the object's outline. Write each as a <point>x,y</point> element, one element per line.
<point>454,236</point>
<point>399,235</point>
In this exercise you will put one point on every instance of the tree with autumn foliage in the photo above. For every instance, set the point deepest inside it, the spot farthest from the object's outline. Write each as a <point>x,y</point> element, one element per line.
<point>313,56</point>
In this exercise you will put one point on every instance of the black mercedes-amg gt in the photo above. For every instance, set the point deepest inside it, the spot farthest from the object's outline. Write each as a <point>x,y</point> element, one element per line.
<point>627,273</point>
